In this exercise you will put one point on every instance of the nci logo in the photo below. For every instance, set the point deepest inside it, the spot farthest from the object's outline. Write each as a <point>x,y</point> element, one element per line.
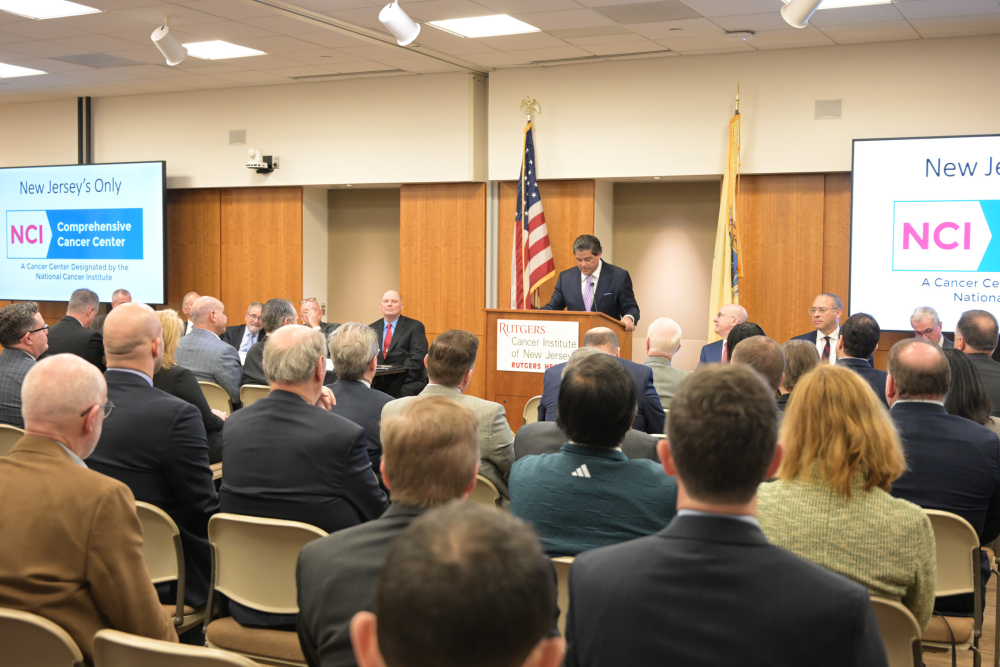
<point>75,234</point>
<point>946,236</point>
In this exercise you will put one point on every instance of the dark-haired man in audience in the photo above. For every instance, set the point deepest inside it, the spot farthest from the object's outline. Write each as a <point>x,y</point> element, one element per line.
<point>710,589</point>
<point>450,362</point>
<point>431,457</point>
<point>275,314</point>
<point>24,337</point>
<point>764,356</point>
<point>463,585</point>
<point>72,334</point>
<point>205,354</point>
<point>118,297</point>
<point>728,317</point>
<point>663,339</point>
<point>590,494</point>
<point>244,336</point>
<point>402,342</point>
<point>952,463</point>
<point>859,337</point>
<point>649,417</point>
<point>976,335</point>
<point>927,325</point>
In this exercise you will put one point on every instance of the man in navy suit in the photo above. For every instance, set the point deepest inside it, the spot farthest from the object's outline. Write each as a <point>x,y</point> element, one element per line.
<point>649,417</point>
<point>952,463</point>
<point>595,286</point>
<point>728,317</point>
<point>245,336</point>
<point>976,335</point>
<point>858,339</point>
<point>825,312</point>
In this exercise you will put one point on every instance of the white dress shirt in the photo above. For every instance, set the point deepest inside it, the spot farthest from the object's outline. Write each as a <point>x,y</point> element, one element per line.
<point>821,343</point>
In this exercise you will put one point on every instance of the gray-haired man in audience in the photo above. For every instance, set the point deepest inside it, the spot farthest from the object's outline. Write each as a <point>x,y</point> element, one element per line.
<point>24,337</point>
<point>927,325</point>
<point>205,354</point>
<point>275,314</point>
<point>663,339</point>
<point>118,297</point>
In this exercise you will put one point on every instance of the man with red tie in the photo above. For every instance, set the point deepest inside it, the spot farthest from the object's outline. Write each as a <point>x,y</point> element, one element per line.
<point>403,343</point>
<point>825,312</point>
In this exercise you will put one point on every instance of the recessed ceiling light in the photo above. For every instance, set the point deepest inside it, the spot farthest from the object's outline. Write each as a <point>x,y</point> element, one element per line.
<point>219,50</point>
<point>485,26</point>
<point>45,9</point>
<point>835,4</point>
<point>10,71</point>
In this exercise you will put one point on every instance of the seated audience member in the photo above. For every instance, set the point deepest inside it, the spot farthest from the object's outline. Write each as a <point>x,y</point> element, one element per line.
<point>180,382</point>
<point>739,333</point>
<point>73,553</point>
<point>800,358</point>
<point>431,457</point>
<point>275,314</point>
<point>118,297</point>
<point>72,334</point>
<point>709,589</point>
<point>402,342</point>
<point>245,336</point>
<point>463,585</point>
<point>764,356</point>
<point>590,494</point>
<point>649,417</point>
<point>952,463</point>
<point>186,304</point>
<point>450,362</point>
<point>927,325</point>
<point>966,395</point>
<point>24,337</point>
<point>859,337</point>
<point>976,336</point>
<point>830,503</point>
<point>728,317</point>
<point>155,443</point>
<point>663,339</point>
<point>354,351</point>
<point>205,354</point>
<point>310,314</point>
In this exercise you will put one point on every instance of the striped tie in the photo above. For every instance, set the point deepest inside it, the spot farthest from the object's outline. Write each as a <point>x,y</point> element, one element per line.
<point>588,293</point>
<point>826,349</point>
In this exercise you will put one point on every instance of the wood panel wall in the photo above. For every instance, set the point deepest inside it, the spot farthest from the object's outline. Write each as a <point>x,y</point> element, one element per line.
<point>194,241</point>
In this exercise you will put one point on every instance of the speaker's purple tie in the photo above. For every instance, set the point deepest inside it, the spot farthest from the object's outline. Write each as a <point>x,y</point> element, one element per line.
<point>588,293</point>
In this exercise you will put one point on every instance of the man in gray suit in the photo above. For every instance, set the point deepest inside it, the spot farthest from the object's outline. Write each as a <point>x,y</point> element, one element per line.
<point>24,337</point>
<point>976,334</point>
<point>663,339</point>
<point>449,362</point>
<point>205,354</point>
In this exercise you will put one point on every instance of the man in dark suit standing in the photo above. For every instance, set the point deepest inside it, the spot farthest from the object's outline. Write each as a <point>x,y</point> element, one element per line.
<point>952,463</point>
<point>927,325</point>
<point>728,317</point>
<point>976,335</point>
<point>118,297</point>
<point>645,602</point>
<point>24,337</point>
<point>275,314</point>
<point>649,417</point>
<point>594,286</point>
<point>155,443</point>
<point>402,342</point>
<point>245,336</point>
<point>72,334</point>
<point>431,457</point>
<point>859,337</point>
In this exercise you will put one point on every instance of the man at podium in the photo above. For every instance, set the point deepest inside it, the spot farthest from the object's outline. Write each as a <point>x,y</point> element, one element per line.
<point>594,286</point>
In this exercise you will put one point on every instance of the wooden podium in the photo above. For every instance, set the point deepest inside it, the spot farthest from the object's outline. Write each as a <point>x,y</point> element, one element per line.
<point>512,389</point>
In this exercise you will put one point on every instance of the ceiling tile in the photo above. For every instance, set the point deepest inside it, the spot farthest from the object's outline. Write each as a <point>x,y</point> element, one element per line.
<point>709,52</point>
<point>621,48</point>
<point>96,44</point>
<point>850,15</point>
<point>595,31</point>
<point>104,23</point>
<point>228,31</point>
<point>930,9</point>
<point>677,29</point>
<point>41,30</point>
<point>711,8</point>
<point>647,12</point>
<point>42,49</point>
<point>360,66</point>
<point>363,16</point>
<point>251,77</point>
<point>566,19</point>
<point>321,58</point>
<point>374,52</point>
<point>113,74</point>
<point>332,39</point>
<point>148,55</point>
<point>180,15</point>
<point>46,64</point>
<point>228,9</point>
<point>440,10</point>
<point>301,70</point>
<point>767,21</point>
<point>701,43</point>
<point>944,27</point>
<point>783,39</point>
<point>113,5</point>
<point>885,31</point>
<point>557,53</point>
<point>153,86</point>
<point>277,44</point>
<point>605,39</point>
<point>531,40</point>
<point>8,38</point>
<point>512,7</point>
<point>496,60</point>
<point>421,64</point>
<point>14,97</point>
<point>333,5</point>
<point>458,46</point>
<point>282,25</point>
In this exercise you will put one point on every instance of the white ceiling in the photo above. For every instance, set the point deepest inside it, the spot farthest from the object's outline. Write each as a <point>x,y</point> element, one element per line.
<point>303,51</point>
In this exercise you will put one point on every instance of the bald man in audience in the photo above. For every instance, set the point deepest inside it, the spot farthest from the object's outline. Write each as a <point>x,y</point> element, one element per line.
<point>24,337</point>
<point>186,304</point>
<point>976,335</point>
<point>155,443</point>
<point>764,356</point>
<point>72,542</point>
<point>118,297</point>
<point>728,317</point>
<point>205,354</point>
<point>663,339</point>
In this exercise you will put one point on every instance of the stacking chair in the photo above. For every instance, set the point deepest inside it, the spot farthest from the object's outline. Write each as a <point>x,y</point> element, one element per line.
<point>253,563</point>
<point>531,409</point>
<point>957,548</point>
<point>9,435</point>
<point>562,565</point>
<point>161,546</point>
<point>900,633</point>
<point>119,649</point>
<point>217,397</point>
<point>485,493</point>
<point>251,393</point>
<point>27,640</point>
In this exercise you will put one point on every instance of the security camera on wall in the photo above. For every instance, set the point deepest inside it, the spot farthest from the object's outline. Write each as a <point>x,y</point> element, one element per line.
<point>262,164</point>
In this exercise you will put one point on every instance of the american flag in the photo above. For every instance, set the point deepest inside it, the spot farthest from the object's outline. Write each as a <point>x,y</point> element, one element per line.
<point>531,261</point>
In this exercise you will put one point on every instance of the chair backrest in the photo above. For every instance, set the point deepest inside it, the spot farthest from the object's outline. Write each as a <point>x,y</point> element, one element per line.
<point>485,493</point>
<point>9,435</point>
<point>531,409</point>
<point>119,649</point>
<point>900,633</point>
<point>254,559</point>
<point>161,543</point>
<point>251,393</point>
<point>957,553</point>
<point>29,640</point>
<point>217,397</point>
<point>562,565</point>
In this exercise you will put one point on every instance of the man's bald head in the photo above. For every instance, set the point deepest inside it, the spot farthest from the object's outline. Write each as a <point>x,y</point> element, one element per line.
<point>919,369</point>
<point>663,337</point>
<point>728,317</point>
<point>291,354</point>
<point>54,393</point>
<point>208,313</point>
<point>603,339</point>
<point>129,329</point>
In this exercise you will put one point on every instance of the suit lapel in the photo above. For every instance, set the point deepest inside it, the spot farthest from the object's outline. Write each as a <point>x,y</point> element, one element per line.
<point>602,284</point>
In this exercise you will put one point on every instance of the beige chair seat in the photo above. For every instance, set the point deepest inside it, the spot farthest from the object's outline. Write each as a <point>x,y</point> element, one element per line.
<point>188,610</point>
<point>225,633</point>
<point>937,629</point>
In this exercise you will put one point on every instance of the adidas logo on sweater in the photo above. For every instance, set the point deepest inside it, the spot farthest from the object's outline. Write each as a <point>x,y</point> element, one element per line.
<point>581,471</point>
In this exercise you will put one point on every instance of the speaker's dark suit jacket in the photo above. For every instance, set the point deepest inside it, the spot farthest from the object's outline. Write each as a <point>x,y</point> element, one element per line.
<point>952,464</point>
<point>711,353</point>
<point>546,438</point>
<point>408,348</point>
<point>363,406</point>
<point>872,376</point>
<point>709,591</point>
<point>155,444</point>
<point>253,365</point>
<point>811,337</point>
<point>337,577</point>
<point>180,382</point>
<point>68,336</point>
<point>649,417</point>
<point>234,335</point>
<point>989,373</point>
<point>613,294</point>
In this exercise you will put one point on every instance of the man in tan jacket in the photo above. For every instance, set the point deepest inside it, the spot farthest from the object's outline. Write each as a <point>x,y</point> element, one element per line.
<point>72,542</point>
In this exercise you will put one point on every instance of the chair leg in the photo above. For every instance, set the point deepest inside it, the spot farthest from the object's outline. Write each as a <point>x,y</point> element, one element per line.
<point>977,658</point>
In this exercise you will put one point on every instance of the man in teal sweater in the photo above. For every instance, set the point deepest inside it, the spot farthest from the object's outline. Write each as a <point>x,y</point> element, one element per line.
<point>590,494</point>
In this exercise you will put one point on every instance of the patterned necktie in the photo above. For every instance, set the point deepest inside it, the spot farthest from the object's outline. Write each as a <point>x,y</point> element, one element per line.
<point>588,293</point>
<point>388,340</point>
<point>248,343</point>
<point>725,352</point>
<point>826,349</point>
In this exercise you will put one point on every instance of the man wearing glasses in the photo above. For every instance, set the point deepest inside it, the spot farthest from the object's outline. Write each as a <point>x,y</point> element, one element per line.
<point>927,325</point>
<point>24,337</point>
<point>245,336</point>
<point>825,312</point>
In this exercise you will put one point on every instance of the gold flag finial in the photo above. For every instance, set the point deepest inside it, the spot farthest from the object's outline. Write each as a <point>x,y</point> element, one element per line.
<point>528,105</point>
<point>737,98</point>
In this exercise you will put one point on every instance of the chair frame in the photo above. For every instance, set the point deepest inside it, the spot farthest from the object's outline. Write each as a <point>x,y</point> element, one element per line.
<point>493,487</point>
<point>916,645</point>
<point>57,632</point>
<point>203,383</point>
<point>8,428</point>
<point>178,652</point>
<point>243,400</point>
<point>562,560</point>
<point>531,405</point>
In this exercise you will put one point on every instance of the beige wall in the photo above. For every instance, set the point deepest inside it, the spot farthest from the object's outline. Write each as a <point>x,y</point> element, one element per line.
<point>38,134</point>
<point>315,244</point>
<point>664,236</point>
<point>364,252</point>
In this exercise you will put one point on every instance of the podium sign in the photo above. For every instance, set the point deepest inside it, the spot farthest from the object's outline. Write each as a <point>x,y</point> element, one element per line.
<point>531,346</point>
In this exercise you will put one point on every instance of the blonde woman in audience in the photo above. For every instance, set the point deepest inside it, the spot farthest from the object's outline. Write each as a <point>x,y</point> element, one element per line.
<point>800,357</point>
<point>830,502</point>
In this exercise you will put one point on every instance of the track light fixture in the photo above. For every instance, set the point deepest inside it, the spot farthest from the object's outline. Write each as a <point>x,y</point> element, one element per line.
<point>168,44</point>
<point>797,12</point>
<point>399,24</point>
